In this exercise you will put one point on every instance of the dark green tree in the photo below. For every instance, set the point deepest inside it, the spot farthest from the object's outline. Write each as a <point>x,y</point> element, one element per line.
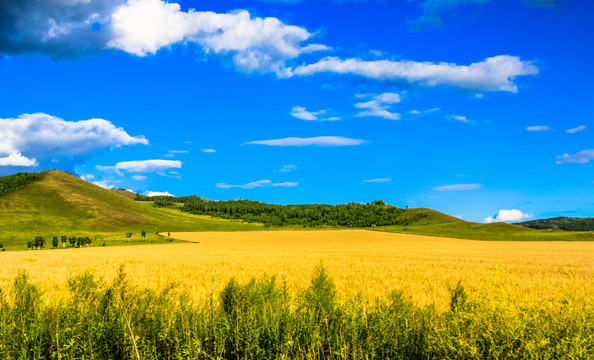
<point>128,236</point>
<point>64,238</point>
<point>143,233</point>
<point>55,242</point>
<point>72,241</point>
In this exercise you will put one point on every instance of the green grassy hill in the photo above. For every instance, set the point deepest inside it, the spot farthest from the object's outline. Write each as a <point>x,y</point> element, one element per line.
<point>59,203</point>
<point>494,231</point>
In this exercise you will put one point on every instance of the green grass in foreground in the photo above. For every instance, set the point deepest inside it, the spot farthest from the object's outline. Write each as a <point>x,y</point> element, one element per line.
<point>260,320</point>
<point>494,232</point>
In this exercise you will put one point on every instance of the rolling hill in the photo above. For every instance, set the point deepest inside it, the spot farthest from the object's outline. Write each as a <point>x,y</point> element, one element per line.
<point>59,203</point>
<point>54,203</point>
<point>561,223</point>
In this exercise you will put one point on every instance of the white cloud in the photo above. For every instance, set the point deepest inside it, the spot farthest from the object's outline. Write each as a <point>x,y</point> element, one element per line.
<point>256,184</point>
<point>458,187</point>
<point>538,128</point>
<point>178,151</point>
<point>423,112</point>
<point>495,73</point>
<point>87,177</point>
<point>287,184</point>
<point>461,118</point>
<point>32,137</point>
<point>157,193</point>
<point>379,180</point>
<point>287,168</point>
<point>156,165</point>
<point>581,157</point>
<point>17,159</point>
<point>576,129</point>
<point>104,184</point>
<point>139,177</point>
<point>143,27</point>
<point>318,141</point>
<point>301,113</point>
<point>379,106</point>
<point>508,216</point>
<point>208,151</point>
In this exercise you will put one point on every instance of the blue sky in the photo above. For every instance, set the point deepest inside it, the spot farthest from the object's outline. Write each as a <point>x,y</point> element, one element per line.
<point>471,107</point>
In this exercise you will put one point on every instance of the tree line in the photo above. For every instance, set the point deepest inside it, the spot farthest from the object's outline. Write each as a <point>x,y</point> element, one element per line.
<point>14,182</point>
<point>372,214</point>
<point>561,223</point>
<point>74,241</point>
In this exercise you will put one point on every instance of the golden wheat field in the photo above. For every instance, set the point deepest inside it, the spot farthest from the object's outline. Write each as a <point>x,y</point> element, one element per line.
<point>360,261</point>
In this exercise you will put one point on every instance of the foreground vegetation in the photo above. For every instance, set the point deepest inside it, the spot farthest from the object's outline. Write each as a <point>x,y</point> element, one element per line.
<point>260,319</point>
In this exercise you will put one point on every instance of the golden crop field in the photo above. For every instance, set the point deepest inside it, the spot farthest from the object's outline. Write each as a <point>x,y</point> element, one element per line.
<point>367,262</point>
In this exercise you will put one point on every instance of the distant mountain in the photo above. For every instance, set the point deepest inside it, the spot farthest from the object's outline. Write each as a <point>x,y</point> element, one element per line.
<point>561,223</point>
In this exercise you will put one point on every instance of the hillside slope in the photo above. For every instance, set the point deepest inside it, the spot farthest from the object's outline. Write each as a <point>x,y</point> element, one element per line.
<point>61,203</point>
<point>561,223</point>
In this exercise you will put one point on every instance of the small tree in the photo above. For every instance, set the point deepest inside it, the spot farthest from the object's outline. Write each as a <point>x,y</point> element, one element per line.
<point>72,240</point>
<point>169,235</point>
<point>29,245</point>
<point>143,233</point>
<point>64,238</point>
<point>39,242</point>
<point>2,247</point>
<point>55,242</point>
<point>88,241</point>
<point>128,236</point>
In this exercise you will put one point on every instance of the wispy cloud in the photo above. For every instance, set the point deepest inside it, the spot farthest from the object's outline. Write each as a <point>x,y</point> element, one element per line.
<point>313,141</point>
<point>576,129</point>
<point>287,168</point>
<point>256,184</point>
<point>538,128</point>
<point>581,157</point>
<point>157,193</point>
<point>423,112</point>
<point>460,118</point>
<point>495,73</point>
<point>379,180</point>
<point>379,106</point>
<point>508,216</point>
<point>301,113</point>
<point>458,187</point>
<point>139,177</point>
<point>208,151</point>
<point>155,165</point>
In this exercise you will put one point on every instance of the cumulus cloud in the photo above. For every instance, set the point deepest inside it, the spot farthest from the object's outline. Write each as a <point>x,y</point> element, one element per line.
<point>379,106</point>
<point>581,157</point>
<point>157,193</point>
<point>61,28</point>
<point>458,187</point>
<point>256,184</point>
<point>538,128</point>
<point>208,151</point>
<point>492,74</point>
<point>379,180</point>
<point>32,137</point>
<point>143,27</point>
<point>87,177</point>
<point>57,28</point>
<point>576,129</point>
<point>155,165</point>
<point>317,141</point>
<point>508,216</point>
